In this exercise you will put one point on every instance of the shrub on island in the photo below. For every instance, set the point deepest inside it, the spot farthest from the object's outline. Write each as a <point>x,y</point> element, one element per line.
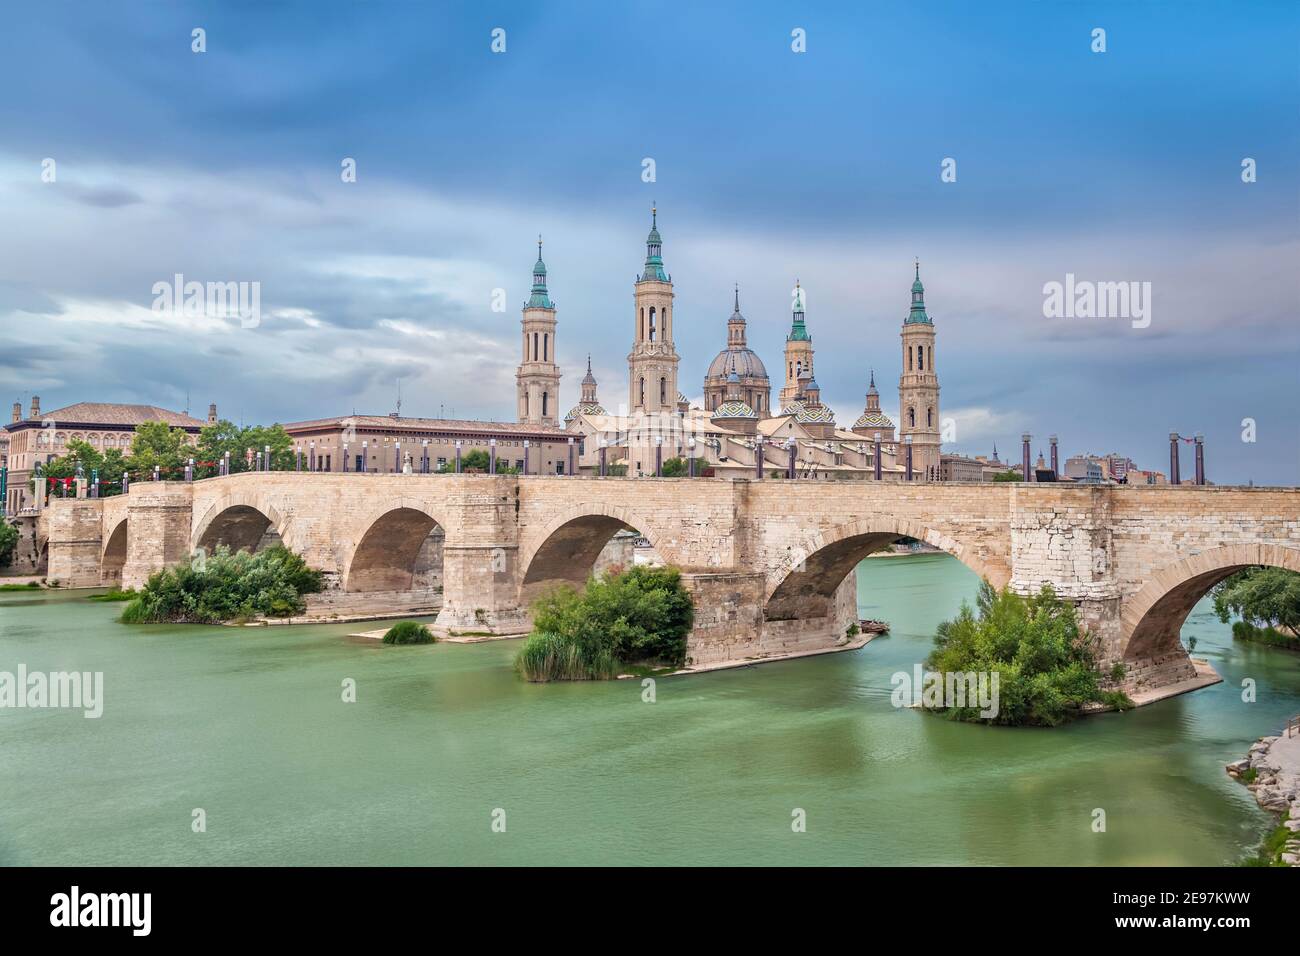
<point>225,587</point>
<point>634,618</point>
<point>408,632</point>
<point>1267,601</point>
<point>1045,663</point>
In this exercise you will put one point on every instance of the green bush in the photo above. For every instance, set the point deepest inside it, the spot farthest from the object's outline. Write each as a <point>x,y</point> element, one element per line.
<point>115,594</point>
<point>8,541</point>
<point>1266,598</point>
<point>635,617</point>
<point>1046,665</point>
<point>225,587</point>
<point>1242,631</point>
<point>29,586</point>
<point>408,632</point>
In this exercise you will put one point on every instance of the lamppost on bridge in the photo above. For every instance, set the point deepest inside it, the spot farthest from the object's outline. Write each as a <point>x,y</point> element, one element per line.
<point>907,441</point>
<point>297,458</point>
<point>1174,477</point>
<point>458,456</point>
<point>659,456</point>
<point>758,457</point>
<point>345,458</point>
<point>1200,458</point>
<point>572,472</point>
<point>267,459</point>
<point>1024,456</point>
<point>525,456</point>
<point>604,448</point>
<point>690,457</point>
<point>424,457</point>
<point>492,456</point>
<point>312,458</point>
<point>791,456</point>
<point>189,470</point>
<point>397,457</point>
<point>876,470</point>
<point>1056,470</point>
<point>126,482</point>
<point>365,457</point>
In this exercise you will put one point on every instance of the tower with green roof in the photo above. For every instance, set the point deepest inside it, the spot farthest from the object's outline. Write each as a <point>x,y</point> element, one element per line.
<point>652,363</point>
<point>798,349</point>
<point>918,387</point>
<point>537,381</point>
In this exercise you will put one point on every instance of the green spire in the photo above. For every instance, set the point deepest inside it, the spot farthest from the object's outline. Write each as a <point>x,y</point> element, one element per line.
<point>654,262</point>
<point>798,332</point>
<point>539,299</point>
<point>917,314</point>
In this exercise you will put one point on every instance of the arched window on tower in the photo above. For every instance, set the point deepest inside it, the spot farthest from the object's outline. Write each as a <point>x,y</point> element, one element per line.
<point>663,391</point>
<point>546,346</point>
<point>641,401</point>
<point>668,329</point>
<point>929,418</point>
<point>909,358</point>
<point>911,418</point>
<point>652,323</point>
<point>546,402</point>
<point>534,346</point>
<point>641,325</point>
<point>920,359</point>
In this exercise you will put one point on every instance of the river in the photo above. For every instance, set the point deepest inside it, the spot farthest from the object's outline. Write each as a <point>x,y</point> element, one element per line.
<point>248,725</point>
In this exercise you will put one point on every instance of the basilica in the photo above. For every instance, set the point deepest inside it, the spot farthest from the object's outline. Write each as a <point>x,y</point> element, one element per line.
<point>738,432</point>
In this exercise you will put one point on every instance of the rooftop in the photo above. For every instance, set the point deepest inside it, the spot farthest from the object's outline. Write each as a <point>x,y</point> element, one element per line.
<point>113,414</point>
<point>451,425</point>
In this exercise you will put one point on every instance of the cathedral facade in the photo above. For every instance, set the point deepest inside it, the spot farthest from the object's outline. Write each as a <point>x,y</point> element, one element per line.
<point>738,431</point>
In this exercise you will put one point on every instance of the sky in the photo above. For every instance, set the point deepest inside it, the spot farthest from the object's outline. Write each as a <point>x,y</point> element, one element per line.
<point>1122,165</point>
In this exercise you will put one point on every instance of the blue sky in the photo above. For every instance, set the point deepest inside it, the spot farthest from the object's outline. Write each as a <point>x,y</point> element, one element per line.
<point>771,165</point>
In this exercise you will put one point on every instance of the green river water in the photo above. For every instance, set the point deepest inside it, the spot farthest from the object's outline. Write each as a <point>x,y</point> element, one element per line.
<point>249,725</point>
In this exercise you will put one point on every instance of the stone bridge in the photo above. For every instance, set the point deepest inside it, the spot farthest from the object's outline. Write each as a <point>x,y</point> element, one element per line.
<point>768,561</point>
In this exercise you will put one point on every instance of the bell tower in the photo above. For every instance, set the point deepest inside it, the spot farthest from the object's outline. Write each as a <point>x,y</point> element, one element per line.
<point>652,363</point>
<point>798,350</point>
<point>918,387</point>
<point>537,382</point>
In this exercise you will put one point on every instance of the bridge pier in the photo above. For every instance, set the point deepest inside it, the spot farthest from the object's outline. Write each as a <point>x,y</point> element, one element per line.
<point>159,514</point>
<point>480,591</point>
<point>76,541</point>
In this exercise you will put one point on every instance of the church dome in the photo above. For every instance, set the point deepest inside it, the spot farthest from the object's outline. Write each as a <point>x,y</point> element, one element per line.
<point>734,409</point>
<point>793,408</point>
<point>584,408</point>
<point>873,420</point>
<point>816,415</point>
<point>747,364</point>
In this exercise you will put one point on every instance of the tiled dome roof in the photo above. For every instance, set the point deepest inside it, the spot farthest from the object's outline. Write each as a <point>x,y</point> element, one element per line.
<point>793,408</point>
<point>584,408</point>
<point>816,414</point>
<point>734,409</point>
<point>873,420</point>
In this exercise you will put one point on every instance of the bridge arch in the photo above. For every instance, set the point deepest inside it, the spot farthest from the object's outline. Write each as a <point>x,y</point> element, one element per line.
<point>565,550</point>
<point>1151,621</point>
<point>241,522</point>
<point>398,547</point>
<point>113,558</point>
<point>804,586</point>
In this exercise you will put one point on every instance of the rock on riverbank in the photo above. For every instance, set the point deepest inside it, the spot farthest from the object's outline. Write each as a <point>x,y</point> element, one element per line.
<point>1271,770</point>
